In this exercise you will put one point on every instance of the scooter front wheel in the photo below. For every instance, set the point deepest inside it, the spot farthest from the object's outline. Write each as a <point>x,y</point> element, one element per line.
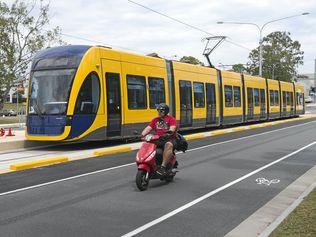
<point>142,180</point>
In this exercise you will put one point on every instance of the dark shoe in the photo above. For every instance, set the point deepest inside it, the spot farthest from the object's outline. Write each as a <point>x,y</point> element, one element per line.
<point>161,171</point>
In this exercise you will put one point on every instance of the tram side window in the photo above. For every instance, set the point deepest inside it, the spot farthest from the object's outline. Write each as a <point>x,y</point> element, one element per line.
<point>256,96</point>
<point>156,91</point>
<point>228,96</point>
<point>136,90</point>
<point>276,98</point>
<point>237,97</point>
<point>89,95</point>
<point>291,98</point>
<point>199,95</point>
<point>272,102</point>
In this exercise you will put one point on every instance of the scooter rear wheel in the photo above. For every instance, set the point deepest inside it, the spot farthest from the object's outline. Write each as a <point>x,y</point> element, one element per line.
<point>141,181</point>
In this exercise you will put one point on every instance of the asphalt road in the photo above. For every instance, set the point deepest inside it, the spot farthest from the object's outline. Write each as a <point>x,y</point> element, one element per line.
<point>107,203</point>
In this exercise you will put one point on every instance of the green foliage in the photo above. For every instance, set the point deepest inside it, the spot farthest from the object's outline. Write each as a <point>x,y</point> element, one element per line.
<point>240,68</point>
<point>22,34</point>
<point>191,60</point>
<point>281,57</point>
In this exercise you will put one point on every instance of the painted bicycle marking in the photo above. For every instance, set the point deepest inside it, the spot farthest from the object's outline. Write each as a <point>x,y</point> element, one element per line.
<point>267,182</point>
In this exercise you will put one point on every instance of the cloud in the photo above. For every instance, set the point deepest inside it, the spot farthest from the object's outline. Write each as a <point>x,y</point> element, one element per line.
<point>121,23</point>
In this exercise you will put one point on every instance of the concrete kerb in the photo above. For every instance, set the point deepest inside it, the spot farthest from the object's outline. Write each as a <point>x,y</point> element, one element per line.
<point>136,146</point>
<point>263,221</point>
<point>112,150</point>
<point>38,163</point>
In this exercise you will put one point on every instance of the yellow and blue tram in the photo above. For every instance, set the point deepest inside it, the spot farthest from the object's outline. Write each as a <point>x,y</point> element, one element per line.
<point>97,93</point>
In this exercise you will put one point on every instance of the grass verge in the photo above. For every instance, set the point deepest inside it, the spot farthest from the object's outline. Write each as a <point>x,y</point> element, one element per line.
<point>301,222</point>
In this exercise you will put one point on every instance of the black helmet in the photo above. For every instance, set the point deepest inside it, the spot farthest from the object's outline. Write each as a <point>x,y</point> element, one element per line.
<point>164,108</point>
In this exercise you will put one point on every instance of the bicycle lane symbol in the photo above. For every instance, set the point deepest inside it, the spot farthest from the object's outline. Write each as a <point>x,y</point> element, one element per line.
<point>264,181</point>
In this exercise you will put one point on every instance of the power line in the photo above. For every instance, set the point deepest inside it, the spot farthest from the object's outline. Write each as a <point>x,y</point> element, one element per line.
<point>186,24</point>
<point>99,42</point>
<point>171,18</point>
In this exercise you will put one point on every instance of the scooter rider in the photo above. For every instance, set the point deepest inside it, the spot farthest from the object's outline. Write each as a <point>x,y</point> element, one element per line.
<point>165,126</point>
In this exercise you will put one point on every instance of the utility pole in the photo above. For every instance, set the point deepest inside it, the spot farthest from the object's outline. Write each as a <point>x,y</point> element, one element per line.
<point>260,28</point>
<point>17,102</point>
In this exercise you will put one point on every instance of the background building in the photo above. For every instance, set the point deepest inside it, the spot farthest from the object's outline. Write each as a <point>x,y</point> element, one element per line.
<point>308,80</point>
<point>22,91</point>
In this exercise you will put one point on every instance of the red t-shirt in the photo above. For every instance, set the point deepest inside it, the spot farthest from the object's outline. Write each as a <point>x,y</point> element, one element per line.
<point>161,126</point>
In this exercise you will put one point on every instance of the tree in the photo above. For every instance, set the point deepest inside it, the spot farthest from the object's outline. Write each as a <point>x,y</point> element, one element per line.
<point>240,68</point>
<point>22,34</point>
<point>191,60</point>
<point>281,57</point>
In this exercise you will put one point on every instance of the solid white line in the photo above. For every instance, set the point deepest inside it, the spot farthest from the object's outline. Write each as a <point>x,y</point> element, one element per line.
<point>250,136</point>
<point>207,195</point>
<point>129,164</point>
<point>65,179</point>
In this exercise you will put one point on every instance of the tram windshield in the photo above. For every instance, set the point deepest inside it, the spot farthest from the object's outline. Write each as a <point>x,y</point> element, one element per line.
<point>49,91</point>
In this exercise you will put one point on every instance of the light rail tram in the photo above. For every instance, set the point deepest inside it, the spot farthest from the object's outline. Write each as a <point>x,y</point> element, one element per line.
<point>98,93</point>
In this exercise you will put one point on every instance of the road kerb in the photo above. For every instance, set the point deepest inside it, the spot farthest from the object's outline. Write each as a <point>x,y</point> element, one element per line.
<point>38,163</point>
<point>237,129</point>
<point>194,136</point>
<point>262,222</point>
<point>114,150</point>
<point>219,132</point>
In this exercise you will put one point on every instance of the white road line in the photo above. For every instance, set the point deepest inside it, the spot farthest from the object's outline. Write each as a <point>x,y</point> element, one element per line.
<point>65,179</point>
<point>129,164</point>
<point>207,195</point>
<point>250,136</point>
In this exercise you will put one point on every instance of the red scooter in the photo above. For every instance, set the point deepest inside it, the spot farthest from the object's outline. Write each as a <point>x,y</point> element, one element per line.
<point>148,159</point>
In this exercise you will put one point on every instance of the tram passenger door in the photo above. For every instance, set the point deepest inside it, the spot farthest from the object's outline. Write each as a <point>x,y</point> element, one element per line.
<point>284,97</point>
<point>185,103</point>
<point>262,103</point>
<point>113,92</point>
<point>250,103</point>
<point>292,103</point>
<point>210,104</point>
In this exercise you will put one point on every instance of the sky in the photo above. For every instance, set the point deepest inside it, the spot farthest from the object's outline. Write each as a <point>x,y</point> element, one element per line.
<point>124,25</point>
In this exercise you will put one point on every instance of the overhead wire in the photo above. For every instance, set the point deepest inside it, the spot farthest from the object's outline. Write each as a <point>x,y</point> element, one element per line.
<point>186,24</point>
<point>100,42</point>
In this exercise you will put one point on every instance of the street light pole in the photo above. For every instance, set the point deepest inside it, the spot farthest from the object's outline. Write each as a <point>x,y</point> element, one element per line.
<point>260,52</point>
<point>260,32</point>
